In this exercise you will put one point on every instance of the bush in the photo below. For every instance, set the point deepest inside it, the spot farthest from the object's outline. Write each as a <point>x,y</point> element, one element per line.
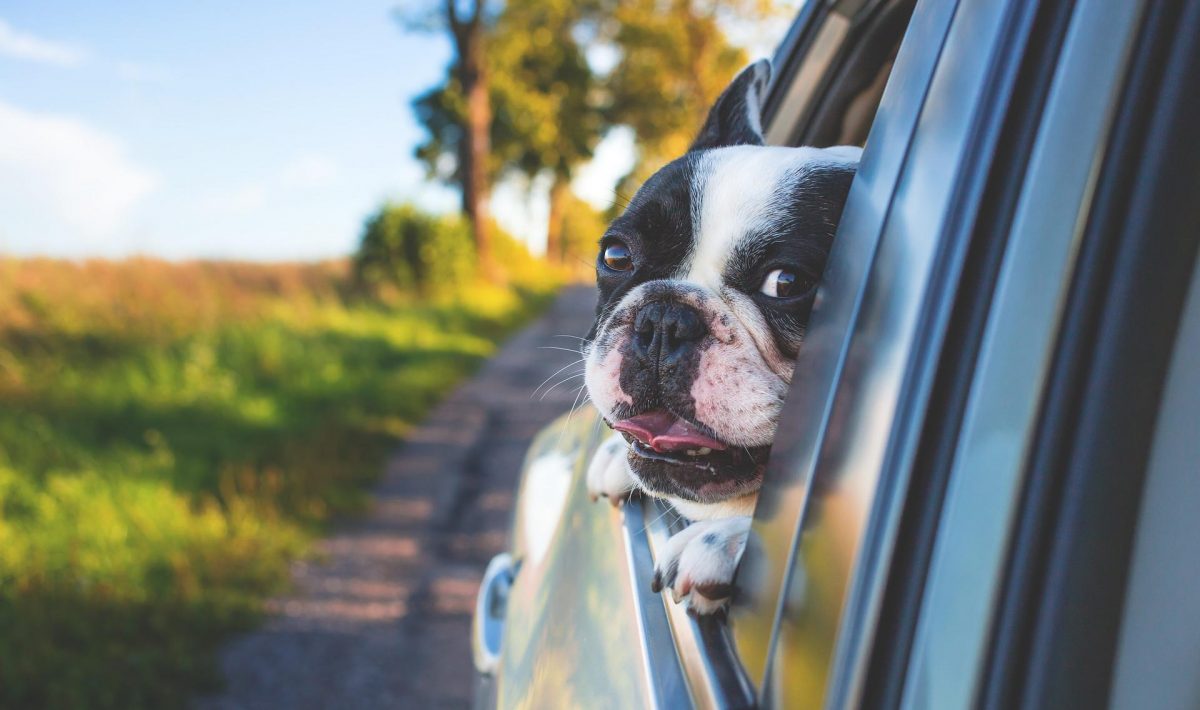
<point>406,250</point>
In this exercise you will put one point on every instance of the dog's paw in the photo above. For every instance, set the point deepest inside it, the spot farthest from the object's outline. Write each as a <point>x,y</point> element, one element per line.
<point>697,564</point>
<point>608,474</point>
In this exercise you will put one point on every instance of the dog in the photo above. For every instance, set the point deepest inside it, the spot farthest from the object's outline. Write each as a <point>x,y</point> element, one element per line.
<point>706,283</point>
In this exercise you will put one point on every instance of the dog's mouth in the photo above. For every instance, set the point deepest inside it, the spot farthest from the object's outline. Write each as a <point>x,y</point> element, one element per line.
<point>662,436</point>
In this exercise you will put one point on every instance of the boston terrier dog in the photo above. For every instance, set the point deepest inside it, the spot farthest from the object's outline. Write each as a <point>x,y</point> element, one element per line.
<point>706,282</point>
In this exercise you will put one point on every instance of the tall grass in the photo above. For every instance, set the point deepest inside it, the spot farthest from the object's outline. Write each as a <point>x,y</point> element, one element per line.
<point>172,435</point>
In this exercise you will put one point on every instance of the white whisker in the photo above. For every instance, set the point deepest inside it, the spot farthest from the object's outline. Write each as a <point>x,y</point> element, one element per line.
<point>556,384</point>
<point>551,377</point>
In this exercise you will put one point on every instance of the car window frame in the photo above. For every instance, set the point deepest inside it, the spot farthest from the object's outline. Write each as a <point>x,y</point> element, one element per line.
<point>951,644</point>
<point>1057,630</point>
<point>705,650</point>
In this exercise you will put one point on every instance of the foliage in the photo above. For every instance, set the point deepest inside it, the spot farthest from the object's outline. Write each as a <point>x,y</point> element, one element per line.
<point>545,103</point>
<point>675,59</point>
<point>172,435</point>
<point>550,107</point>
<point>583,225</point>
<point>408,250</point>
<point>674,63</point>
<point>545,98</point>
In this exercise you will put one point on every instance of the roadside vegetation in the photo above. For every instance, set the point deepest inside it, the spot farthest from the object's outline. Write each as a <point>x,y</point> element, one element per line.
<point>173,435</point>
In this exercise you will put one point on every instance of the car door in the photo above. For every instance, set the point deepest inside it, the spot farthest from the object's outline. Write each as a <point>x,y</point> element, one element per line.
<point>971,486</point>
<point>928,358</point>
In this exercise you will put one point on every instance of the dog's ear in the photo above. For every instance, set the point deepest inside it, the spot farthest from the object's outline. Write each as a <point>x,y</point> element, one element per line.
<point>736,117</point>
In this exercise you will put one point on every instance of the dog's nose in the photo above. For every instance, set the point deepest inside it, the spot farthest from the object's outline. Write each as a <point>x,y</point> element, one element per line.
<point>667,331</point>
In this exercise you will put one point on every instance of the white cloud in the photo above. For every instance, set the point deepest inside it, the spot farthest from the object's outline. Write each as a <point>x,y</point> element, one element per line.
<point>76,173</point>
<point>309,171</point>
<point>22,45</point>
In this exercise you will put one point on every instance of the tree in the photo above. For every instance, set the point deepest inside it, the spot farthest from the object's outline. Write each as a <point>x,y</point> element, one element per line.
<point>459,117</point>
<point>549,109</point>
<point>675,59</point>
<point>544,100</point>
<point>549,115</point>
<point>582,226</point>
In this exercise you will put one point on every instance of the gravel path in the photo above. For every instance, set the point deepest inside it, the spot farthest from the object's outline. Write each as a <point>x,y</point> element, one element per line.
<point>383,621</point>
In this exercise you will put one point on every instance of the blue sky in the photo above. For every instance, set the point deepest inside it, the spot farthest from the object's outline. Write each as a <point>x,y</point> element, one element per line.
<point>261,130</point>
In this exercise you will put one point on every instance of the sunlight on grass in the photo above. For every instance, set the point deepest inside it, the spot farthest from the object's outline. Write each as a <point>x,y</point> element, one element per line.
<point>173,435</point>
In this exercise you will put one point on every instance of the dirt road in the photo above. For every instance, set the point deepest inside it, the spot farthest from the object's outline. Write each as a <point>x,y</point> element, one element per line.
<point>383,619</point>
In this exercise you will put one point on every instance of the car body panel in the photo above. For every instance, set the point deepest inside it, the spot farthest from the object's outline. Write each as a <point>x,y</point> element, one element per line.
<point>572,628</point>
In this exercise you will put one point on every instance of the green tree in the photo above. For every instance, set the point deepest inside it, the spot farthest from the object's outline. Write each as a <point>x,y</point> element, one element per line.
<point>545,102</point>
<point>675,59</point>
<point>460,116</point>
<point>548,116</point>
<point>582,226</point>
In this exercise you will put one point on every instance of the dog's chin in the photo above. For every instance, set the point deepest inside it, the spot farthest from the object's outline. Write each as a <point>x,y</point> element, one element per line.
<point>711,478</point>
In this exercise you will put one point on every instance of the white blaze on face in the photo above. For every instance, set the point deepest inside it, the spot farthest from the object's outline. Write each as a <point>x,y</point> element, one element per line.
<point>736,189</point>
<point>602,373</point>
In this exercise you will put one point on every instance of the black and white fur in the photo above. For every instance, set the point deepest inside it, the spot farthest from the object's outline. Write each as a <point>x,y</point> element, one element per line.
<point>694,330</point>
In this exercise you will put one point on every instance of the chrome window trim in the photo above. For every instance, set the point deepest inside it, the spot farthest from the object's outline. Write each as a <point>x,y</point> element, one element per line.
<point>714,682</point>
<point>660,660</point>
<point>954,627</point>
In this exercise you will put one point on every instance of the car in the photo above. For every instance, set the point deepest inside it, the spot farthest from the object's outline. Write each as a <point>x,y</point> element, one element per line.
<point>984,482</point>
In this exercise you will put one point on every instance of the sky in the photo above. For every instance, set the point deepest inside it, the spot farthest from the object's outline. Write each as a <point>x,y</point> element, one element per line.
<point>263,130</point>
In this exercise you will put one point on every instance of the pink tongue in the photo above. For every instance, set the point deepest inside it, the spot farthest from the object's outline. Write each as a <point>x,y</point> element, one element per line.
<point>663,431</point>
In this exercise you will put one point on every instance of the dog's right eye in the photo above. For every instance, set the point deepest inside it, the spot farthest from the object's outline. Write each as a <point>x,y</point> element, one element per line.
<point>617,257</point>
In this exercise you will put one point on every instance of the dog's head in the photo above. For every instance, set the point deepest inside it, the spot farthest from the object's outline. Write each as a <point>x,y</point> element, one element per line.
<point>706,283</point>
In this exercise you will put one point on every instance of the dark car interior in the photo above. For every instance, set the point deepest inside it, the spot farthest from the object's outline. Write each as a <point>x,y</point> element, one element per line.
<point>859,42</point>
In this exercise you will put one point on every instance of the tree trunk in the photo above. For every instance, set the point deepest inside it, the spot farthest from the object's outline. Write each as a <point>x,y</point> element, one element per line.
<point>559,192</point>
<point>476,145</point>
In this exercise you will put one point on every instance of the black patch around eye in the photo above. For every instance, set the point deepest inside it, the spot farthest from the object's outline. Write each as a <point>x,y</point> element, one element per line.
<point>657,229</point>
<point>804,215</point>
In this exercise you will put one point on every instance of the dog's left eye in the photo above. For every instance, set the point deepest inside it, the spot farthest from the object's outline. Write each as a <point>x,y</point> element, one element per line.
<point>617,257</point>
<point>782,283</point>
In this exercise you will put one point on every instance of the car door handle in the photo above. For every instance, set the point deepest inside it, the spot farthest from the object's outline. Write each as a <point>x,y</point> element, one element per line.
<point>487,628</point>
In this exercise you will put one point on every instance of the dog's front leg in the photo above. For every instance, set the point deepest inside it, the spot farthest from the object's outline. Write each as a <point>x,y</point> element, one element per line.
<point>697,564</point>
<point>608,474</point>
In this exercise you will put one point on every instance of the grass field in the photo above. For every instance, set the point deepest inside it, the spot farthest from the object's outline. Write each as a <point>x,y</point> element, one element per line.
<point>172,435</point>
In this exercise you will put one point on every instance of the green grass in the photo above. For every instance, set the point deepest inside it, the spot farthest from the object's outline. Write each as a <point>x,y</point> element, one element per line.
<point>172,436</point>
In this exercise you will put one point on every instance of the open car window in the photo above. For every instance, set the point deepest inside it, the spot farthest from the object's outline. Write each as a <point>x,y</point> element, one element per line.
<point>829,80</point>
